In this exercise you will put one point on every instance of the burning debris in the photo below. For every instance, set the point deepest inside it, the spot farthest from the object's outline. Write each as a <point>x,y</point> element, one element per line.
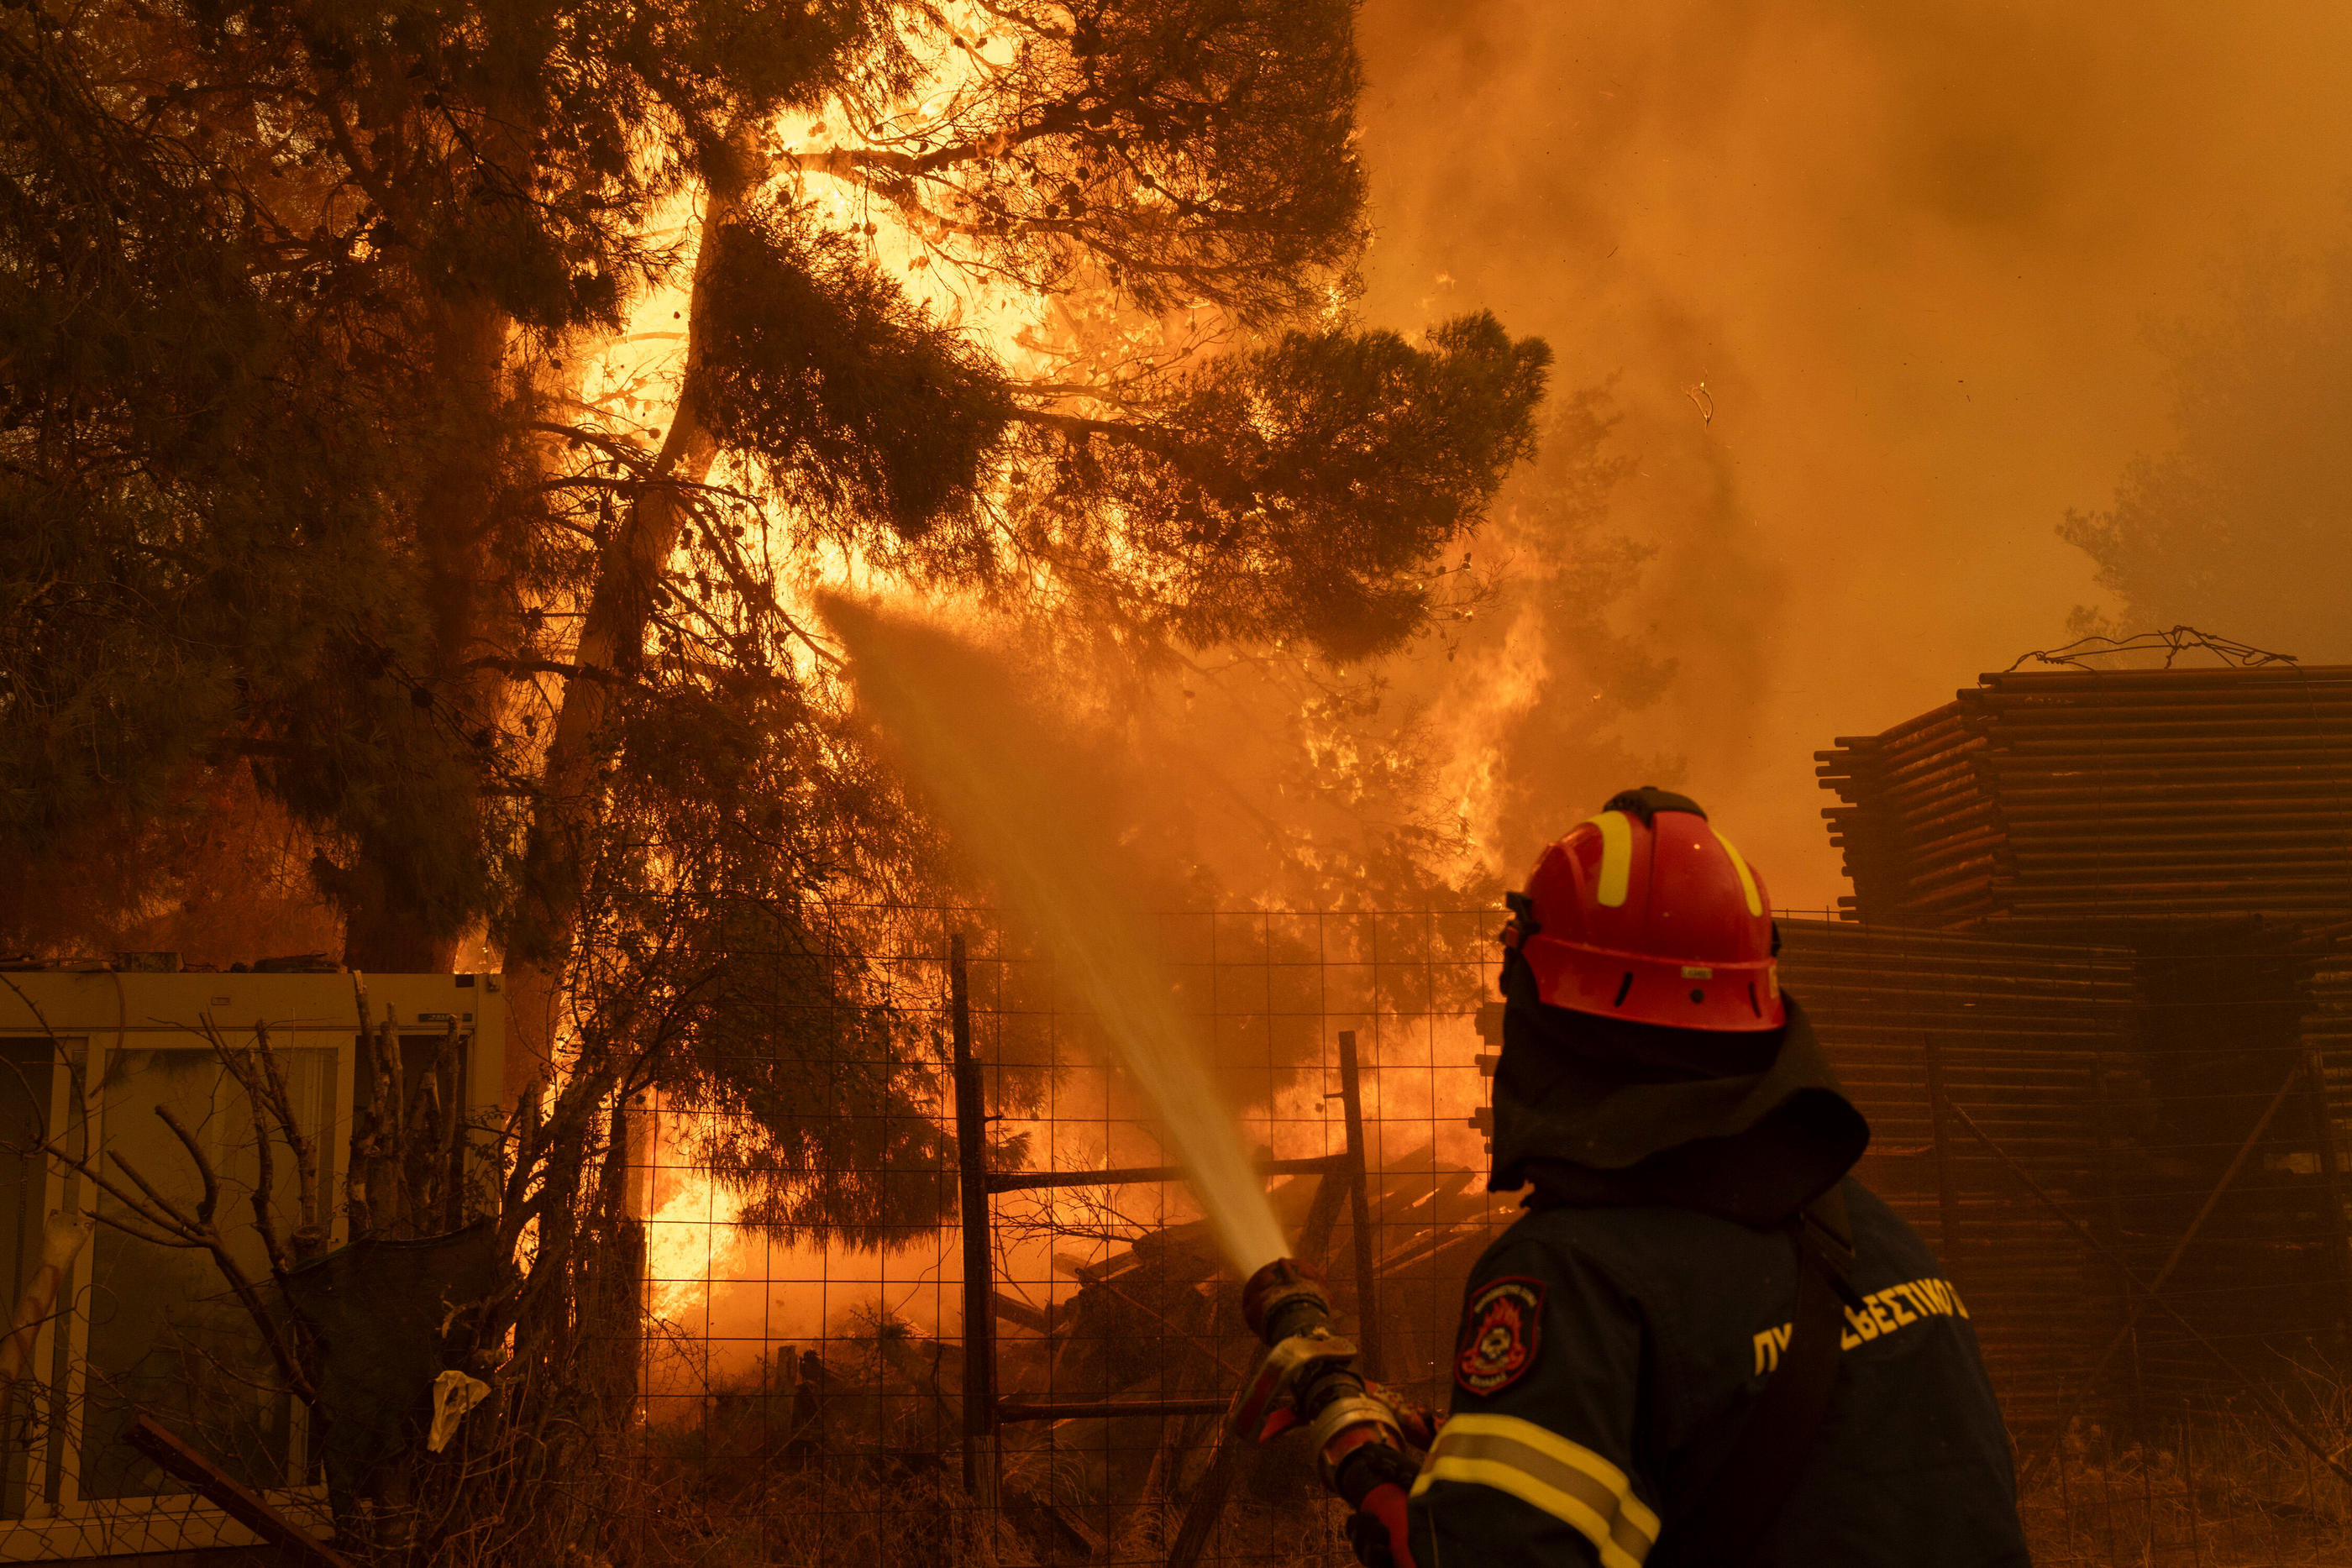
<point>1146,1358</point>
<point>1112,1382</point>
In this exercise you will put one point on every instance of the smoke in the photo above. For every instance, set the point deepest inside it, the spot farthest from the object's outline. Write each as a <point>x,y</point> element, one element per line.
<point>2240,521</point>
<point>1016,796</point>
<point>1875,285</point>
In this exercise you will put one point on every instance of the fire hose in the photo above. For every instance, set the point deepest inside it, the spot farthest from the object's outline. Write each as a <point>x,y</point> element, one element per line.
<point>1366,1443</point>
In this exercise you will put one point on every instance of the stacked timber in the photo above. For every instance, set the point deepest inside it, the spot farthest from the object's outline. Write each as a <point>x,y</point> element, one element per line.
<point>2328,987</point>
<point>2044,1112</point>
<point>1988,1071</point>
<point>2325,1026</point>
<point>2056,798</point>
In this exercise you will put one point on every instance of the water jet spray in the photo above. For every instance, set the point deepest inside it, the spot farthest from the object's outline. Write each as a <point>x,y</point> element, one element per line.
<point>981,756</point>
<point>977,753</point>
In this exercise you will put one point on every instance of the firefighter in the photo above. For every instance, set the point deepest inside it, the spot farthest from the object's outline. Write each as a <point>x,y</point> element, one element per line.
<point>1705,1343</point>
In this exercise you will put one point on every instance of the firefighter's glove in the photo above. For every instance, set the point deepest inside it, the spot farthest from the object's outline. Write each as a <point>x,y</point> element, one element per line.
<point>1375,1480</point>
<point>1376,1531</point>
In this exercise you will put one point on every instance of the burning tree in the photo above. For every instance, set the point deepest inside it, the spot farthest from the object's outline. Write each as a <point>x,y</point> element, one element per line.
<point>1040,308</point>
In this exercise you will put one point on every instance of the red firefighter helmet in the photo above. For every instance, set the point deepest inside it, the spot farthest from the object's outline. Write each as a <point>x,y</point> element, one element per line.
<point>1646,912</point>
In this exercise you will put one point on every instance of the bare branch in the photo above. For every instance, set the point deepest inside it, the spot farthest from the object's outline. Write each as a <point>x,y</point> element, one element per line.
<point>177,1234</point>
<point>289,1366</point>
<point>424,1115</point>
<point>211,1200</point>
<point>185,1243</point>
<point>357,1204</point>
<point>78,1079</point>
<point>240,1066</point>
<point>453,1138</point>
<point>173,1219</point>
<point>264,1223</point>
<point>390,1075</point>
<point>203,1233</point>
<point>308,1235</point>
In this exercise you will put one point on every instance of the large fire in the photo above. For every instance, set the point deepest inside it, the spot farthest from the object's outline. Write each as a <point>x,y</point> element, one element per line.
<point>714,1282</point>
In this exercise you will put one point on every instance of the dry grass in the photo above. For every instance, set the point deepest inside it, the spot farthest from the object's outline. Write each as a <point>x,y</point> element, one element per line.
<point>2213,1490</point>
<point>2224,1492</point>
<point>874,1481</point>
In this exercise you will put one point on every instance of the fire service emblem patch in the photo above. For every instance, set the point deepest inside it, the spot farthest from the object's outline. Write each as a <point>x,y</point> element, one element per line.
<point>1499,1336</point>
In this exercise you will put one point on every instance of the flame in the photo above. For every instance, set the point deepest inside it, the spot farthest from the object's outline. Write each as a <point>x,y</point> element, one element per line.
<point>705,1269</point>
<point>1472,726</point>
<point>691,1240</point>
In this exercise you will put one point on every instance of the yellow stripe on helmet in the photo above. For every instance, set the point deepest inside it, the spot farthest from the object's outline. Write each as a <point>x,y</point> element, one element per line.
<point>1617,858</point>
<point>1747,878</point>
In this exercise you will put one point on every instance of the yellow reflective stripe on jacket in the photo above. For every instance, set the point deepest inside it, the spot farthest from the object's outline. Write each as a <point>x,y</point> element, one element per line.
<point>1545,1470</point>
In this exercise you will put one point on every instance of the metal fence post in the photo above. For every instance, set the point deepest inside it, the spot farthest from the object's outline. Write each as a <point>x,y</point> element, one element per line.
<point>2189,1488</point>
<point>979,1267</point>
<point>2330,1172</point>
<point>1359,1206</point>
<point>2115,1229</point>
<point>1947,1196</point>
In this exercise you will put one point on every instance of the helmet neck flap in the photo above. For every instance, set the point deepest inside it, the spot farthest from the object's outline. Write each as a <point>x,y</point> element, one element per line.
<point>1596,1111</point>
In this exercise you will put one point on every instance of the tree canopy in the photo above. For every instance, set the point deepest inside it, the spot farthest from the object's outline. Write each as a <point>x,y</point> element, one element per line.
<point>304,482</point>
<point>318,505</point>
<point>1301,490</point>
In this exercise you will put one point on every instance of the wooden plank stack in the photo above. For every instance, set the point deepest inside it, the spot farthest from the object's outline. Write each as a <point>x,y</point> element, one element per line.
<point>2061,798</point>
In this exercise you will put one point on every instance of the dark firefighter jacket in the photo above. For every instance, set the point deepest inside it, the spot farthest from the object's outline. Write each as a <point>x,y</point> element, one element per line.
<point>1614,1339</point>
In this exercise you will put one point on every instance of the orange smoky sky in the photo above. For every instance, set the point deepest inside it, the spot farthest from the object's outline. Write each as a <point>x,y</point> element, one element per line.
<point>1912,252</point>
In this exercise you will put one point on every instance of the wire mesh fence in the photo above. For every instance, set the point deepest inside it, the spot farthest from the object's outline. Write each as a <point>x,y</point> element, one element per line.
<point>2130,1159</point>
<point>821,1392</point>
<point>2130,1155</point>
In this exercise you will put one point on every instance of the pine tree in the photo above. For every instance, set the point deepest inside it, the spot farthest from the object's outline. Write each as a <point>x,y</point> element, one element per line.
<point>302,278</point>
<point>1191,149</point>
<point>303,477</point>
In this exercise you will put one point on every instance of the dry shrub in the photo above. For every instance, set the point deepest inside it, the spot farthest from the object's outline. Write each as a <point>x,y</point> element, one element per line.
<point>2213,1486</point>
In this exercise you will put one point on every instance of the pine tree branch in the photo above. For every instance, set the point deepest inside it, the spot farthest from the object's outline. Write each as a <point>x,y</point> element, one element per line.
<point>1151,437</point>
<point>363,174</point>
<point>628,573</point>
